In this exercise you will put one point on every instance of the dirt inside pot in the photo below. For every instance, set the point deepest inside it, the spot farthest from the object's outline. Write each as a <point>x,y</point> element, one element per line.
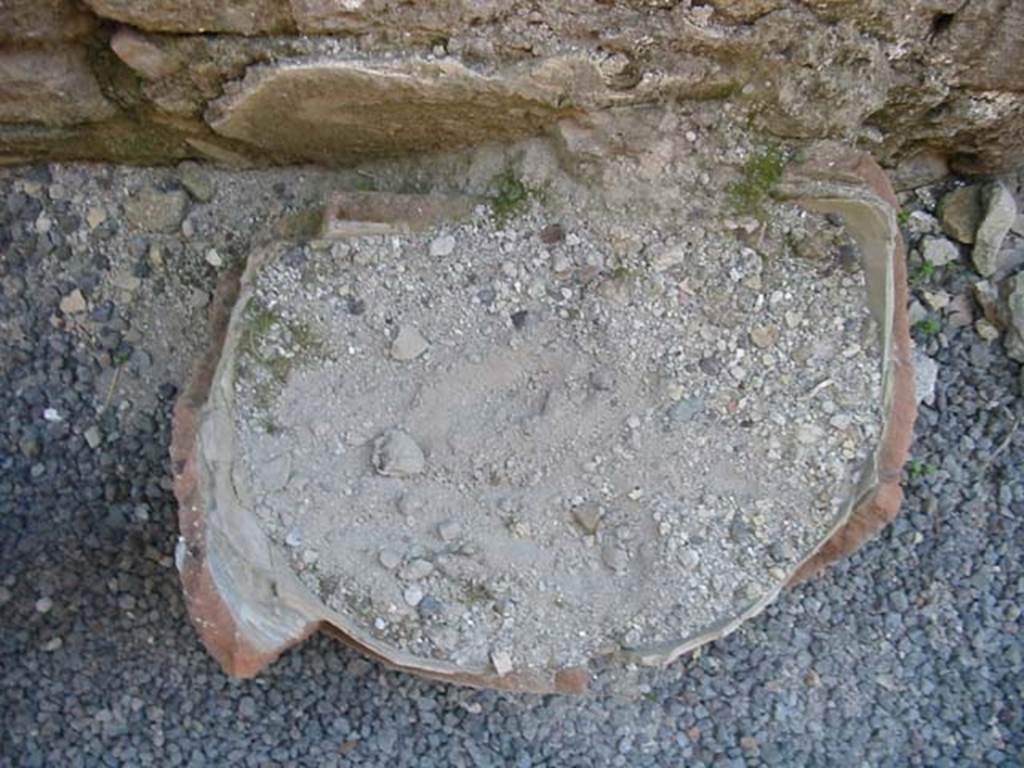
<point>520,442</point>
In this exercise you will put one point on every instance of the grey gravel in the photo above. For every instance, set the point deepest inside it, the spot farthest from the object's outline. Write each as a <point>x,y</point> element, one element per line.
<point>908,653</point>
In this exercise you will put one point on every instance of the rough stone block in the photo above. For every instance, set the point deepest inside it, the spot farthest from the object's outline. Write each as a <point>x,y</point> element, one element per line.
<point>24,21</point>
<point>143,55</point>
<point>52,87</point>
<point>241,17</point>
<point>342,111</point>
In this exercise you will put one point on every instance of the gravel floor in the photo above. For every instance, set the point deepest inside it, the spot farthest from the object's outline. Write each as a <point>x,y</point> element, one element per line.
<point>909,653</point>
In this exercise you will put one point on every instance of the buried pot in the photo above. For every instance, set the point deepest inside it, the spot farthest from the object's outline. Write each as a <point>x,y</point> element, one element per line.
<point>258,537</point>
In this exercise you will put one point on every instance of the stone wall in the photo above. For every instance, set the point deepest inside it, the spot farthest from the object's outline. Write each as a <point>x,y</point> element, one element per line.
<point>339,81</point>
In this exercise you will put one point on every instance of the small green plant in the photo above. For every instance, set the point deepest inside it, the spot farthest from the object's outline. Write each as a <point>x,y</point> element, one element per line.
<point>923,273</point>
<point>917,470</point>
<point>510,195</point>
<point>903,217</point>
<point>761,172</point>
<point>475,593</point>
<point>929,326</point>
<point>365,183</point>
<point>260,320</point>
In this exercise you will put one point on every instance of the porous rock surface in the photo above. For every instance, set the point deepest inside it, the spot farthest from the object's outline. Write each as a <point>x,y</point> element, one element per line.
<point>917,82</point>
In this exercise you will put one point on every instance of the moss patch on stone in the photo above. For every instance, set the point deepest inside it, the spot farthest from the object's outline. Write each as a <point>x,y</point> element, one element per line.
<point>760,173</point>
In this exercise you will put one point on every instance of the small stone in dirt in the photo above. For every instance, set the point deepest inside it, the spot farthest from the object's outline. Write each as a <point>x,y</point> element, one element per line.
<point>354,306</point>
<point>294,538</point>
<point>125,282</point>
<point>809,434</point>
<point>614,557</point>
<point>155,256</point>
<point>938,251</point>
<point>430,608</point>
<point>916,312</point>
<point>442,246</point>
<point>936,300</point>
<point>95,216</point>
<point>986,330</point>
<point>840,421</point>
<point>764,336</point>
<point>396,454</point>
<point>552,234</point>
<point>44,605</point>
<point>153,210</point>
<point>52,414</point>
<point>1000,211</point>
<point>412,595</point>
<point>53,644</point>
<point>961,314</point>
<point>689,558</point>
<point>739,529</point>
<point>686,410</point>
<point>408,344</point>
<point>389,558</point>
<point>587,517</point>
<point>214,259</point>
<point>449,530</point>
<point>502,662</point>
<point>197,181</point>
<point>73,303</point>
<point>519,319</point>
<point>93,437</point>
<point>417,569</point>
<point>666,257</point>
<point>960,213</point>
<point>602,381</point>
<point>987,296</point>
<point>926,372</point>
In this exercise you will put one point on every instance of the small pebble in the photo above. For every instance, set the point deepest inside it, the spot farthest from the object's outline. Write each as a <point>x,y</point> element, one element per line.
<point>412,595</point>
<point>44,605</point>
<point>449,530</point>
<point>588,517</point>
<point>502,662</point>
<point>408,344</point>
<point>442,246</point>
<point>417,569</point>
<point>389,558</point>
<point>73,303</point>
<point>614,557</point>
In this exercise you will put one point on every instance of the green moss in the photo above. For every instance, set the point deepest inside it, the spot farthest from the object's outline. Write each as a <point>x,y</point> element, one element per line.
<point>509,196</point>
<point>929,326</point>
<point>761,172</point>
<point>303,225</point>
<point>474,593</point>
<point>917,470</point>
<point>923,272</point>
<point>365,184</point>
<point>305,344</point>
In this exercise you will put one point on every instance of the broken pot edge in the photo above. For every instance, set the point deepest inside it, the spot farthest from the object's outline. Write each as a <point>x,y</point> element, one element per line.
<point>833,179</point>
